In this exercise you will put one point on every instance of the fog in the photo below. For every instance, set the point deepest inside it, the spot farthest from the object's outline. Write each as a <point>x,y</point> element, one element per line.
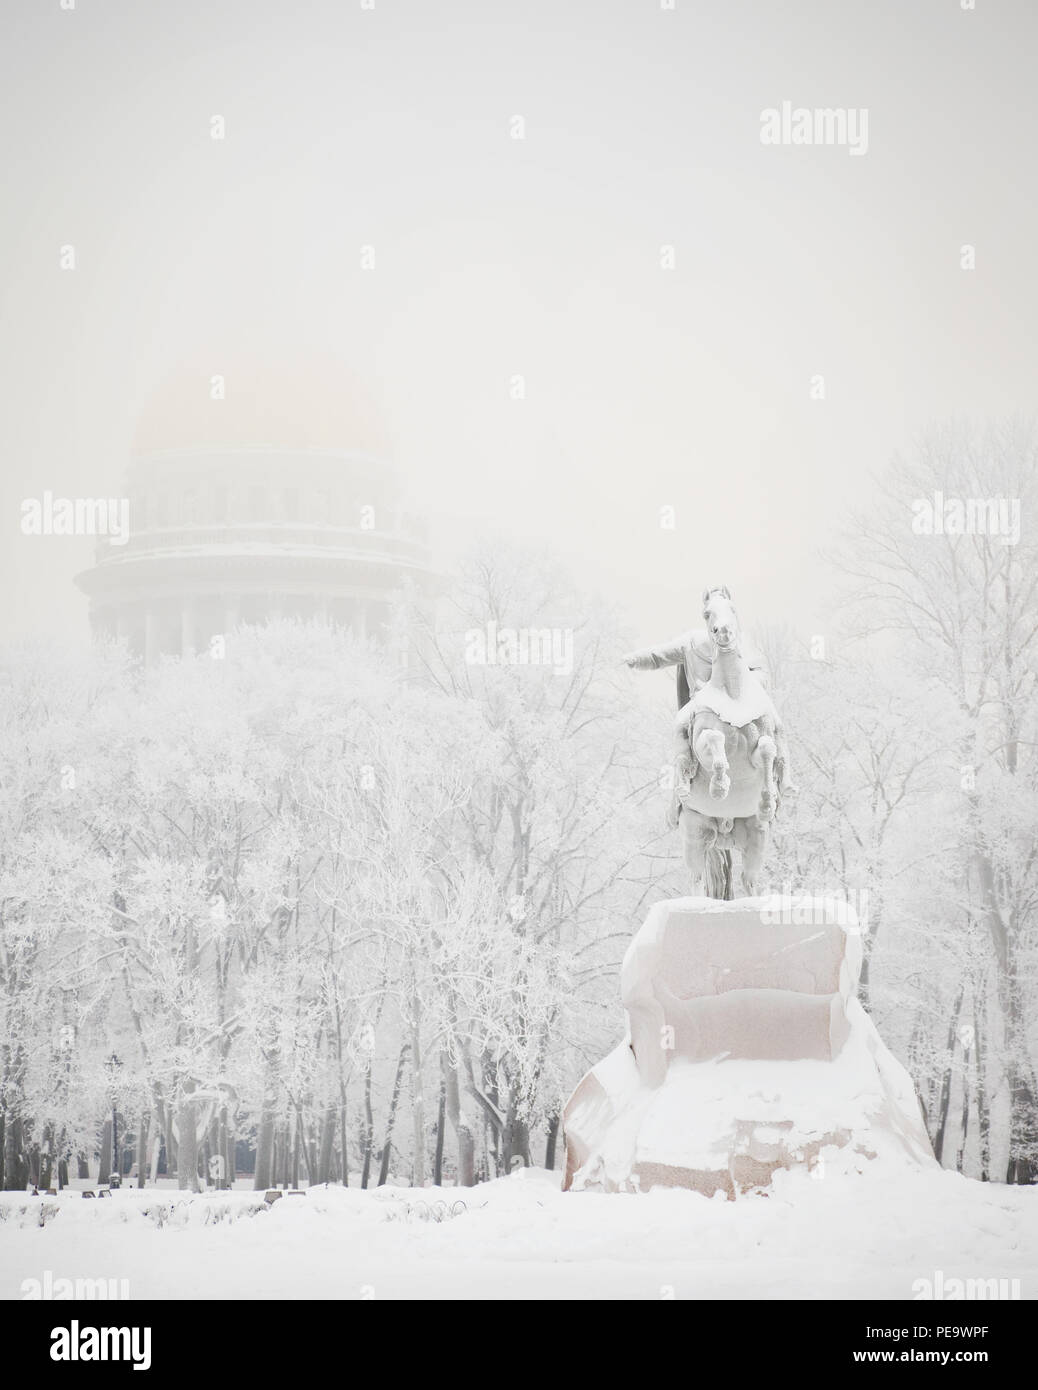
<point>393,128</point>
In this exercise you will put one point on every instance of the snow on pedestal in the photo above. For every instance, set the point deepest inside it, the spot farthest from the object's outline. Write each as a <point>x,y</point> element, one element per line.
<point>747,1051</point>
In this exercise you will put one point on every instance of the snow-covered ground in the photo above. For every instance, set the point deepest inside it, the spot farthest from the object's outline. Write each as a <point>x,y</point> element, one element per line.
<point>870,1234</point>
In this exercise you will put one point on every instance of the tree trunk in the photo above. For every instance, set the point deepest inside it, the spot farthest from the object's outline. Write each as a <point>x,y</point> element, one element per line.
<point>155,1145</point>
<point>964,1121</point>
<point>187,1142</point>
<point>324,1160</point>
<point>515,1139</point>
<point>369,1127</point>
<point>942,1109</point>
<point>549,1148</point>
<point>342,1141</point>
<point>280,1156</point>
<point>383,1172</point>
<point>417,1110</point>
<point>983,1112</point>
<point>142,1149</point>
<point>230,1152</point>
<point>520,1144</point>
<point>285,1150</point>
<point>47,1158</point>
<point>1022,1167</point>
<point>264,1176</point>
<point>441,1120</point>
<point>170,1138</point>
<point>16,1169</point>
<point>223,1172</point>
<point>310,1154</point>
<point>460,1124</point>
<point>868,944</point>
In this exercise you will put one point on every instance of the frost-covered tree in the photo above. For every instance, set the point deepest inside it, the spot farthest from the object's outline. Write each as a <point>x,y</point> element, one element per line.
<point>558,824</point>
<point>947,562</point>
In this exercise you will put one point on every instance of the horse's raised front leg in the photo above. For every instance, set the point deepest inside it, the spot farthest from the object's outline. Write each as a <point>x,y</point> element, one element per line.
<point>708,745</point>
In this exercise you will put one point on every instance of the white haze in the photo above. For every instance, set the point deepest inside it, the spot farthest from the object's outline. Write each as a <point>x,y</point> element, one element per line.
<point>390,127</point>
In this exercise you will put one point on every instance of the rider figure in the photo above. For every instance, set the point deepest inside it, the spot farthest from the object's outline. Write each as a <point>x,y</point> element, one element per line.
<point>692,653</point>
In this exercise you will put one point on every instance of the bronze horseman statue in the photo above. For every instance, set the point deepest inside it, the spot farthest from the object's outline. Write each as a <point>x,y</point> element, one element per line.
<point>746,1050</point>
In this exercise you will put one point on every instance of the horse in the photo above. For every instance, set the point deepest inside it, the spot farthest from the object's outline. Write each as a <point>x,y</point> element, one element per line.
<point>732,761</point>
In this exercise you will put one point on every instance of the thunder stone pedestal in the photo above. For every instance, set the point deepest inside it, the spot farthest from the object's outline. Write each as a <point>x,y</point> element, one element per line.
<point>747,1051</point>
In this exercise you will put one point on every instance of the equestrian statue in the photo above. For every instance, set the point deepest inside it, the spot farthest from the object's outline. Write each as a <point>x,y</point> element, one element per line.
<point>731,764</point>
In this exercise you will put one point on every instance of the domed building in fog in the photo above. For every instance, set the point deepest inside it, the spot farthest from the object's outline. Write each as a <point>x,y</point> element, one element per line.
<point>273,499</point>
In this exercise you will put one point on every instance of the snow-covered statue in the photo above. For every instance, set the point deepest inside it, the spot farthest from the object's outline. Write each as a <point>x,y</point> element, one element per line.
<point>731,763</point>
<point>746,1051</point>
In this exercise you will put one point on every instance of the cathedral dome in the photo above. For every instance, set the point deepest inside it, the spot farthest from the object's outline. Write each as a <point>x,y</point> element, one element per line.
<point>253,494</point>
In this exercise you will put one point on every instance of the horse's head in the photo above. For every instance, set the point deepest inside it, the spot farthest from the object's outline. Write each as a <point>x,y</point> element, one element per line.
<point>722,622</point>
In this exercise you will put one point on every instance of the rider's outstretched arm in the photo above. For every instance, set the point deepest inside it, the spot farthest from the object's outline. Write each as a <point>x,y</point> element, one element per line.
<point>652,658</point>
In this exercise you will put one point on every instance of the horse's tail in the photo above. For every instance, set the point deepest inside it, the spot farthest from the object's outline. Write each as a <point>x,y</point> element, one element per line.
<point>718,876</point>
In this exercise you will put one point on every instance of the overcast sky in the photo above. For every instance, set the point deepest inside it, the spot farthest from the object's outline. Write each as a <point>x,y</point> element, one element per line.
<point>541,257</point>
